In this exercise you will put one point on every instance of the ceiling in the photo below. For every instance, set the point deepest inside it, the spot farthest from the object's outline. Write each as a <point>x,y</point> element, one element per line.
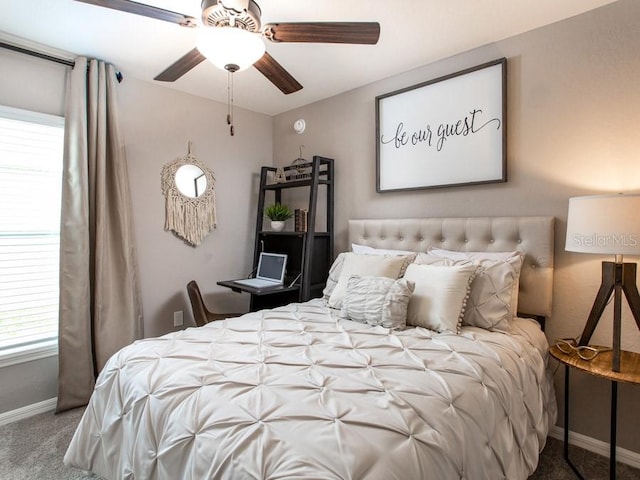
<point>413,33</point>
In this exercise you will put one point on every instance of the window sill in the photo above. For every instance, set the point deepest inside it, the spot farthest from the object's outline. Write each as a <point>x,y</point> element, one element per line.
<point>28,353</point>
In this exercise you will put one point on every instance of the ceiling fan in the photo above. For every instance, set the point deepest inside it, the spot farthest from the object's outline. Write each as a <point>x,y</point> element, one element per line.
<point>232,28</point>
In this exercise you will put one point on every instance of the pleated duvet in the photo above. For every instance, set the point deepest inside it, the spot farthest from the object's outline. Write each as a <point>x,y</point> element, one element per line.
<point>299,393</point>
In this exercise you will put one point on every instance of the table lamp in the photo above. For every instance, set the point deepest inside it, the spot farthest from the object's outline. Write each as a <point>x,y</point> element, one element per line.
<point>608,224</point>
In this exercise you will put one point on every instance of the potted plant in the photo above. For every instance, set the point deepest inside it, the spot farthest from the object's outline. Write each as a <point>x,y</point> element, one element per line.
<point>278,214</point>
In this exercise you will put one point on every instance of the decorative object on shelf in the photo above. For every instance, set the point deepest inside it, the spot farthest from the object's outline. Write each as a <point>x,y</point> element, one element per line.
<point>300,219</point>
<point>302,170</point>
<point>278,214</point>
<point>299,126</point>
<point>190,199</point>
<point>608,224</point>
<point>277,225</point>
<point>279,176</point>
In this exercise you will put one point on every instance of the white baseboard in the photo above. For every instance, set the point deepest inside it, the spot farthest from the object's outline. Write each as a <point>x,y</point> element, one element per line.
<point>28,411</point>
<point>596,446</point>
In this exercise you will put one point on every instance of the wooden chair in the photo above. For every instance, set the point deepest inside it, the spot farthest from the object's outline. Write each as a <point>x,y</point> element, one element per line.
<point>201,314</point>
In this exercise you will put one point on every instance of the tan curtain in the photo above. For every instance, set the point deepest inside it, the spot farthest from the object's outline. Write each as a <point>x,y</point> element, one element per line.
<point>100,307</point>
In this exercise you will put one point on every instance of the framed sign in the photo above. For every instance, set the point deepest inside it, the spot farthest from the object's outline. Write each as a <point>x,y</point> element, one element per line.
<point>445,132</point>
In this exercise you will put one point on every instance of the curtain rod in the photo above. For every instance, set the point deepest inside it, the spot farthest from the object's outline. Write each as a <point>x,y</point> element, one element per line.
<point>33,53</point>
<point>44,56</point>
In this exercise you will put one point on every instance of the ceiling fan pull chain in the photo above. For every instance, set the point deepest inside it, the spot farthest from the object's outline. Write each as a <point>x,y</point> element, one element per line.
<point>231,129</point>
<point>228,99</point>
<point>230,102</point>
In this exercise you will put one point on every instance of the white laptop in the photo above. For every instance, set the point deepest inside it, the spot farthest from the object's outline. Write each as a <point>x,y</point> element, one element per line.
<point>270,273</point>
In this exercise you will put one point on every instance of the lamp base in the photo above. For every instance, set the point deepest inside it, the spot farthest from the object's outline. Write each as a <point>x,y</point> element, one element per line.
<point>616,277</point>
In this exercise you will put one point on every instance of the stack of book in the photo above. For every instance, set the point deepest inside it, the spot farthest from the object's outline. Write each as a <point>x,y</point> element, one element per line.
<point>300,217</point>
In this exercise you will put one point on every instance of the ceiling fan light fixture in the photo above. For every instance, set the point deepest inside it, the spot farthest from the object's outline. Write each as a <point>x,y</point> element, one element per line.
<point>230,48</point>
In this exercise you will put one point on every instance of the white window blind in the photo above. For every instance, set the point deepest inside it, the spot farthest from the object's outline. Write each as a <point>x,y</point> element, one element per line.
<point>31,148</point>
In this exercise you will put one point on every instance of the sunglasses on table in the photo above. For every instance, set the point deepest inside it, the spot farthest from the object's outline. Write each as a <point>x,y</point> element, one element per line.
<point>585,352</point>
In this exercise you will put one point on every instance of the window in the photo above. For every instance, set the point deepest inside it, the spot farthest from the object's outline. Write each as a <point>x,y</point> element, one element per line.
<point>31,149</point>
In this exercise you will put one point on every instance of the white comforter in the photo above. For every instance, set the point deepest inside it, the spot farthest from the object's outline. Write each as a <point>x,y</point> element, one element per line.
<point>296,393</point>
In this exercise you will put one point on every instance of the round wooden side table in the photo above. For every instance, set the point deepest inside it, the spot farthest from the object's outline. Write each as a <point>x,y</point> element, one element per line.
<point>600,366</point>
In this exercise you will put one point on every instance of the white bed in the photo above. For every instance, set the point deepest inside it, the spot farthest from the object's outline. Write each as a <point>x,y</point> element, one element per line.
<point>300,392</point>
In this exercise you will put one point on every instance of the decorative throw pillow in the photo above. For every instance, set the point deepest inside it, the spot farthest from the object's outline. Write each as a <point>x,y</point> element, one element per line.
<point>377,300</point>
<point>334,276</point>
<point>390,266</point>
<point>336,270</point>
<point>491,300</point>
<point>512,257</point>
<point>440,295</point>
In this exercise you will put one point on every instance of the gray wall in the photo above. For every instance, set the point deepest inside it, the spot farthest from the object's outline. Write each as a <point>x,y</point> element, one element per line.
<point>573,115</point>
<point>157,124</point>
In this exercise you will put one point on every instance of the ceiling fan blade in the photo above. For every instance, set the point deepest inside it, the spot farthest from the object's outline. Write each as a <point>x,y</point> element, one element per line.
<point>366,33</point>
<point>145,11</point>
<point>277,75</point>
<point>181,66</point>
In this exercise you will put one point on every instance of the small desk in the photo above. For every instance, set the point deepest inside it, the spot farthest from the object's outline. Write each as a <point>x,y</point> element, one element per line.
<point>600,366</point>
<point>265,297</point>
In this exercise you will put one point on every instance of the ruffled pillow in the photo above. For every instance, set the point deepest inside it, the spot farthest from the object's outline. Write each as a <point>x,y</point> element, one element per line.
<point>336,270</point>
<point>377,301</point>
<point>390,266</point>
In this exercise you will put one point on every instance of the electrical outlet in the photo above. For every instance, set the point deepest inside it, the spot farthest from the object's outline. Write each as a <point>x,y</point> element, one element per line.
<point>178,319</point>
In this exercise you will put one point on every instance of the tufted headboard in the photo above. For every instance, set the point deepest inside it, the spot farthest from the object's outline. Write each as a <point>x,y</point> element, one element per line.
<point>531,235</point>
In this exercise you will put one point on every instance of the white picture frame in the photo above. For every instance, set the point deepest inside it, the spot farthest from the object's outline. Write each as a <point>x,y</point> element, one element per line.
<point>446,132</point>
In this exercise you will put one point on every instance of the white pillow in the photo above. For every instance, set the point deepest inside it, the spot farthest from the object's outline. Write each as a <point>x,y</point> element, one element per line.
<point>514,259</point>
<point>440,295</point>
<point>355,248</point>
<point>336,270</point>
<point>377,301</point>
<point>389,266</point>
<point>490,302</point>
<point>334,276</point>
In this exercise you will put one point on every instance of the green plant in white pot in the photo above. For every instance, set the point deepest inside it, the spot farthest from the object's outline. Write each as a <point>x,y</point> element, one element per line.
<point>278,214</point>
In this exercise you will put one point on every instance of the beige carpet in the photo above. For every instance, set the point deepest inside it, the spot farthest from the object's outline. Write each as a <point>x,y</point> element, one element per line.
<point>32,449</point>
<point>592,467</point>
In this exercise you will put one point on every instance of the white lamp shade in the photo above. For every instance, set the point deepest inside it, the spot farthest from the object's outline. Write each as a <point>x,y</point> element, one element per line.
<point>230,46</point>
<point>605,224</point>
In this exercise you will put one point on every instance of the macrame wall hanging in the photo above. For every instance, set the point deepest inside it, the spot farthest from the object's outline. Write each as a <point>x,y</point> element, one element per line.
<point>190,199</point>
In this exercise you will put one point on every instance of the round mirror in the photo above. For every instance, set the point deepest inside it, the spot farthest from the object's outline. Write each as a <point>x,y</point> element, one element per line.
<point>191,180</point>
<point>190,200</point>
